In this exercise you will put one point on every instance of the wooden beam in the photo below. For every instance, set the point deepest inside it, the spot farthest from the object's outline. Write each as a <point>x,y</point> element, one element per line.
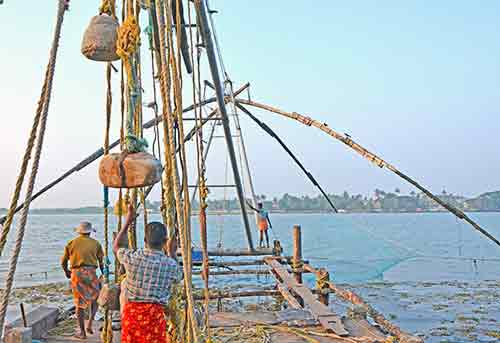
<point>329,320</point>
<point>228,295</point>
<point>284,259</point>
<point>287,294</point>
<point>242,252</point>
<point>264,292</point>
<point>241,272</point>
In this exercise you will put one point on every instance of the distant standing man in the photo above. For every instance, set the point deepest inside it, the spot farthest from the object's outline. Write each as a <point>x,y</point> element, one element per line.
<point>84,255</point>
<point>150,275</point>
<point>264,223</point>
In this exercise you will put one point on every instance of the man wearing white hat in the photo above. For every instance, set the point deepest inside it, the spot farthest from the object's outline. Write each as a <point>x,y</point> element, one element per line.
<point>84,254</point>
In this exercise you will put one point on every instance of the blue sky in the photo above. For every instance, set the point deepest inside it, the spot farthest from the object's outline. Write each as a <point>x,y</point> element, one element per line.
<point>415,81</point>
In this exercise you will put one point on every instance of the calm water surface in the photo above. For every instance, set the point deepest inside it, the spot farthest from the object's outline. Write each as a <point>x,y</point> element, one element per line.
<point>355,248</point>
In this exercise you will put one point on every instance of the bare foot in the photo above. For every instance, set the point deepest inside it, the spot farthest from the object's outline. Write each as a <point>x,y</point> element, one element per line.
<point>89,330</point>
<point>80,335</point>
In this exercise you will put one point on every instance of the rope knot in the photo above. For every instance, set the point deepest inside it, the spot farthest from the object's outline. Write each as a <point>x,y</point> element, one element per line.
<point>135,144</point>
<point>297,265</point>
<point>128,38</point>
<point>108,7</point>
<point>304,120</point>
<point>322,279</point>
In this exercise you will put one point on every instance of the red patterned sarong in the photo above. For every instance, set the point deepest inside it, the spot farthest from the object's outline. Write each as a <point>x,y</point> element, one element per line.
<point>143,323</point>
<point>85,286</point>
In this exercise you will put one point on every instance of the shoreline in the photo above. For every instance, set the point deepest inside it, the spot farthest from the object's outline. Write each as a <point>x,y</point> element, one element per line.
<point>69,211</point>
<point>446,311</point>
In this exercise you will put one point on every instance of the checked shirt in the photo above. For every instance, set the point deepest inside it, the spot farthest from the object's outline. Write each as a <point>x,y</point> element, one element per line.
<point>150,275</point>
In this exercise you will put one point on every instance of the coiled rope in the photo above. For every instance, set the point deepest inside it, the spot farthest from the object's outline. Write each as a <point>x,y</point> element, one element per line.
<point>44,104</point>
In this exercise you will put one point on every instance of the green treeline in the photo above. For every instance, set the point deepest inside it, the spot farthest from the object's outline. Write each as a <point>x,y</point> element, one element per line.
<point>380,201</point>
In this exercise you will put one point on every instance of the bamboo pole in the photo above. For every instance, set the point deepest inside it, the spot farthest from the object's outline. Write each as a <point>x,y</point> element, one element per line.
<point>372,158</point>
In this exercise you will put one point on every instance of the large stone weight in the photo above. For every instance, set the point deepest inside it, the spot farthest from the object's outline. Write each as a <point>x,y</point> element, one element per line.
<point>99,39</point>
<point>136,170</point>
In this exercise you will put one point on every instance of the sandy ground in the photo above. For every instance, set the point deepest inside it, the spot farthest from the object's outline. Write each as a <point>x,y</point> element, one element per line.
<point>441,312</point>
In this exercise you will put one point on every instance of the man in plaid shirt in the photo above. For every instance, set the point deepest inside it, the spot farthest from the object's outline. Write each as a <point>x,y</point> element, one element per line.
<point>150,275</point>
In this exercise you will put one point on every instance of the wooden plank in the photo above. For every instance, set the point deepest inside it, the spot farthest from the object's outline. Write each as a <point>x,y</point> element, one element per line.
<point>323,314</point>
<point>285,291</point>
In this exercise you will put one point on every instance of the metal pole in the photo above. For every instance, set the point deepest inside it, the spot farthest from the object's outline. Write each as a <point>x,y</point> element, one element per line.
<point>219,90</point>
<point>246,165</point>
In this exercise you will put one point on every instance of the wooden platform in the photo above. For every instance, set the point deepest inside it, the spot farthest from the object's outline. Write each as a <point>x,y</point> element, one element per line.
<point>95,338</point>
<point>281,325</point>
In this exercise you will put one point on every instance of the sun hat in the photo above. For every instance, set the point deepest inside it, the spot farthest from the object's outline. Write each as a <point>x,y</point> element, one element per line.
<point>84,227</point>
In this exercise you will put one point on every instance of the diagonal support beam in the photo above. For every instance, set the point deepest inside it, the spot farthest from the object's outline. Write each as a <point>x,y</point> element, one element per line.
<point>347,140</point>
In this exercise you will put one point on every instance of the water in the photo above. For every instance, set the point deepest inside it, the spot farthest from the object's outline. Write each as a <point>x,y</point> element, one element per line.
<point>356,248</point>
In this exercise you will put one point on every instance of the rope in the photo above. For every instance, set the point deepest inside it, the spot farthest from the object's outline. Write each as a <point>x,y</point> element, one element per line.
<point>108,7</point>
<point>152,34</point>
<point>170,155</point>
<point>126,47</point>
<point>22,173</point>
<point>107,332</point>
<point>322,280</point>
<point>185,222</point>
<point>132,234</point>
<point>297,265</point>
<point>202,188</point>
<point>45,100</point>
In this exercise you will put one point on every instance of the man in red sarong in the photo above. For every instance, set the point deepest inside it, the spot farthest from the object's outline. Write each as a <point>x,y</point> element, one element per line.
<point>150,275</point>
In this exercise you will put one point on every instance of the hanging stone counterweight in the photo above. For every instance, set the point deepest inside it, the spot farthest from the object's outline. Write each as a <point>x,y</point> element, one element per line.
<point>130,171</point>
<point>99,39</point>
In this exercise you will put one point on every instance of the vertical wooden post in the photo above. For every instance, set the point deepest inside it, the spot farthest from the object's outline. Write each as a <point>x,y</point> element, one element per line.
<point>297,253</point>
<point>322,279</point>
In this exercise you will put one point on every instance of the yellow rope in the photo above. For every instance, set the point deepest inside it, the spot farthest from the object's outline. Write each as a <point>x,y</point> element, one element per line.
<point>107,333</point>
<point>322,280</point>
<point>128,42</point>
<point>108,7</point>
<point>143,202</point>
<point>132,236</point>
<point>182,212</point>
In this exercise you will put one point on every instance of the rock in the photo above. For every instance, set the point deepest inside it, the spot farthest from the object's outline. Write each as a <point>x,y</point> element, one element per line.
<point>99,39</point>
<point>141,169</point>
